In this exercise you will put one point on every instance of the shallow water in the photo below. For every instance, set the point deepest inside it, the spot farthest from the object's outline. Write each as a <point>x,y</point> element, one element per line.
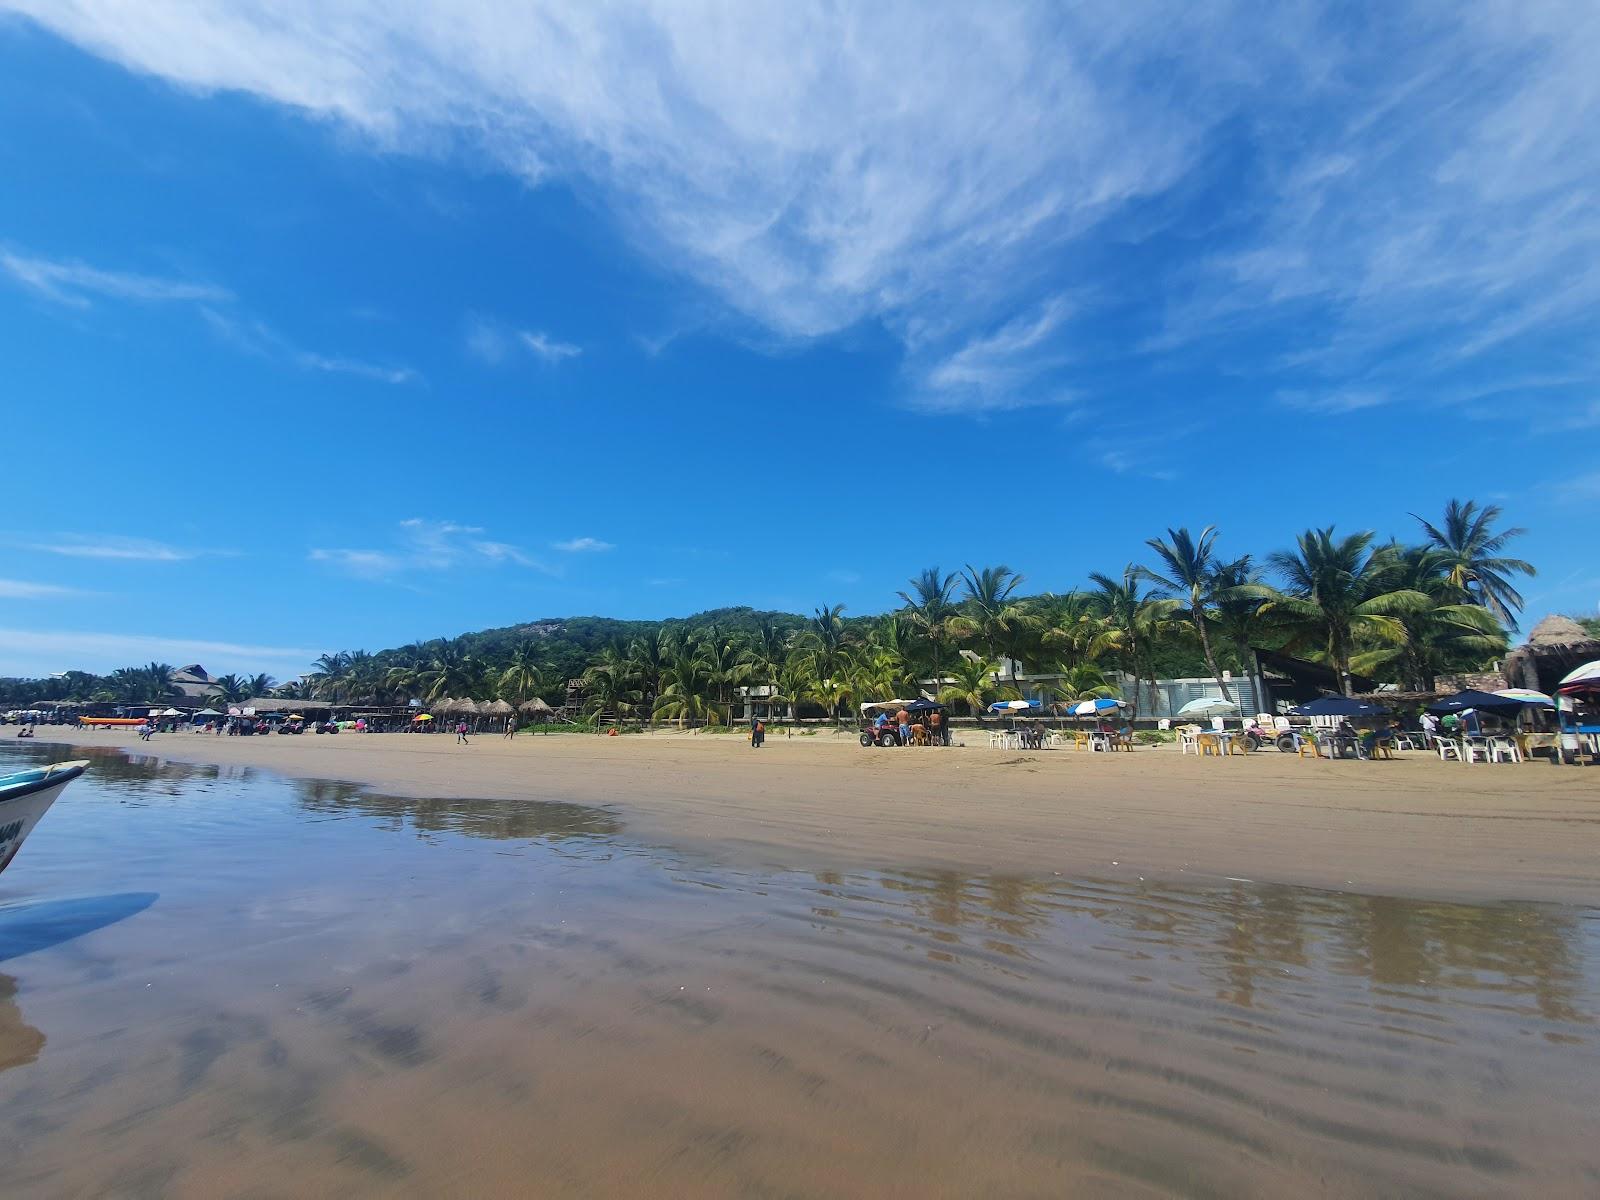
<point>215,982</point>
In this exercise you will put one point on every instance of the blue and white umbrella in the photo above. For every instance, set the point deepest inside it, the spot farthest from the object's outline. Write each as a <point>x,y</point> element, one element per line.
<point>1088,708</point>
<point>1012,705</point>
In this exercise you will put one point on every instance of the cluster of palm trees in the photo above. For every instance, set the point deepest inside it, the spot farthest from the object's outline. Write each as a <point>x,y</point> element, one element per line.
<point>152,683</point>
<point>1401,612</point>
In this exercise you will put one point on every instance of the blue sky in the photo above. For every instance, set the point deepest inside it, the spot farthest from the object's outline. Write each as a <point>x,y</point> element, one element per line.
<point>341,325</point>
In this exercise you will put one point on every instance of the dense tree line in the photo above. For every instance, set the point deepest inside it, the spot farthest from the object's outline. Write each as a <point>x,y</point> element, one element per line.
<point>1399,612</point>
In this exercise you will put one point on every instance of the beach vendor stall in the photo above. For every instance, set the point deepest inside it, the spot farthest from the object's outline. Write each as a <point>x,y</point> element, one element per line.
<point>1578,714</point>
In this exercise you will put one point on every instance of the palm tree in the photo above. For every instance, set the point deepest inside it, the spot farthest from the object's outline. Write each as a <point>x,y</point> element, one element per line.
<point>1337,593</point>
<point>258,685</point>
<point>686,691</point>
<point>974,683</point>
<point>764,657</point>
<point>451,670</point>
<point>826,634</point>
<point>158,683</point>
<point>1241,613</point>
<point>831,693</point>
<point>610,685</point>
<point>648,656</point>
<point>999,624</point>
<point>1187,564</point>
<point>523,676</point>
<point>1445,635</point>
<point>229,689</point>
<point>726,666</point>
<point>931,604</point>
<point>1134,619</point>
<point>1474,562</point>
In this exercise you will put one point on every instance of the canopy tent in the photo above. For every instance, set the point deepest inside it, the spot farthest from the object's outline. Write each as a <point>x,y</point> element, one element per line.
<point>887,705</point>
<point>170,712</point>
<point>1481,701</point>
<point>922,706</point>
<point>1339,706</point>
<point>208,712</point>
<point>1209,706</point>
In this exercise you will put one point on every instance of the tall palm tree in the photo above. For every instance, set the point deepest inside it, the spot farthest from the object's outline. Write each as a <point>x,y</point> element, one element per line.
<point>827,636</point>
<point>1186,569</point>
<point>1241,614</point>
<point>1338,592</point>
<point>931,604</point>
<point>1135,618</point>
<point>1444,635</point>
<point>648,656</point>
<point>997,622</point>
<point>1474,562</point>
<point>451,670</point>
<point>765,655</point>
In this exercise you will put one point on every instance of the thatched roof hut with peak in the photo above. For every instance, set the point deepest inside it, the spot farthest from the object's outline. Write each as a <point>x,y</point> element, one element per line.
<point>497,708</point>
<point>1555,646</point>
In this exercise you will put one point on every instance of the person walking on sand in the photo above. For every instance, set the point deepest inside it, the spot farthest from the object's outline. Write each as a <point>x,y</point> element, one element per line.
<point>758,733</point>
<point>461,734</point>
<point>511,727</point>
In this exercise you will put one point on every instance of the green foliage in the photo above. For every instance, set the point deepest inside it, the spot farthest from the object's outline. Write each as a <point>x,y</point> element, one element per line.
<point>1401,613</point>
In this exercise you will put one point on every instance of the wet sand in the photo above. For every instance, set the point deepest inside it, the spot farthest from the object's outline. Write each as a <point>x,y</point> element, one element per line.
<point>1410,827</point>
<point>217,981</point>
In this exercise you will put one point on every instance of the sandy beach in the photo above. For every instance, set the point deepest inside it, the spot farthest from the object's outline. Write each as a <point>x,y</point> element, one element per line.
<point>1411,827</point>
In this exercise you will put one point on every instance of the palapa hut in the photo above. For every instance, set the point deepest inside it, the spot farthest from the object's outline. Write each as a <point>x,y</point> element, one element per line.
<point>1556,646</point>
<point>537,709</point>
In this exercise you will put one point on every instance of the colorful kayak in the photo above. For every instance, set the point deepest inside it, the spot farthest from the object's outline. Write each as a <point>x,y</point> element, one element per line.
<point>27,796</point>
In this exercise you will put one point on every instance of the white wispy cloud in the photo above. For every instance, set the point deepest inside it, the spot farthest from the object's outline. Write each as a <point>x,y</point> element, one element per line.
<point>1579,487</point>
<point>582,545</point>
<point>36,652</point>
<point>22,589</point>
<point>76,284</point>
<point>490,341</point>
<point>114,546</point>
<point>1333,403</point>
<point>258,338</point>
<point>940,168</point>
<point>422,545</point>
<point>549,349</point>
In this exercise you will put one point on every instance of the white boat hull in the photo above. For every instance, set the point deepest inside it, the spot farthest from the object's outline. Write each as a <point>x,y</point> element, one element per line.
<point>23,803</point>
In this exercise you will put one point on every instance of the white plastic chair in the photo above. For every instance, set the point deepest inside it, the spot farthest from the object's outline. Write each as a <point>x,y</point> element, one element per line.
<point>1475,748</point>
<point>1504,749</point>
<point>1219,723</point>
<point>1188,742</point>
<point>997,739</point>
<point>1163,724</point>
<point>1448,749</point>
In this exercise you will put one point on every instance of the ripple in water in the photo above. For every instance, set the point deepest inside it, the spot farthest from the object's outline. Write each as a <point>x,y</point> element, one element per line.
<point>368,995</point>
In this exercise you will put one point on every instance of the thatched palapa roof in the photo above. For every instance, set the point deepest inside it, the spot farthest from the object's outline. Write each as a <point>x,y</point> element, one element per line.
<point>535,705</point>
<point>497,708</point>
<point>1559,631</point>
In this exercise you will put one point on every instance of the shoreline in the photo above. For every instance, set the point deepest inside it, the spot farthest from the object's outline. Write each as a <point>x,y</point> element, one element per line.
<point>1413,827</point>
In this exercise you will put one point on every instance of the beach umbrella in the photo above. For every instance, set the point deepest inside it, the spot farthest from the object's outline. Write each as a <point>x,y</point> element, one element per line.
<point>1012,705</point>
<point>1088,708</point>
<point>1472,698</point>
<point>1585,678</point>
<point>422,717</point>
<point>1526,696</point>
<point>1209,706</point>
<point>1339,706</point>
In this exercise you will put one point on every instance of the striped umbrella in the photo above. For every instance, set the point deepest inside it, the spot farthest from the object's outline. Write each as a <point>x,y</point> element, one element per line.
<point>1527,696</point>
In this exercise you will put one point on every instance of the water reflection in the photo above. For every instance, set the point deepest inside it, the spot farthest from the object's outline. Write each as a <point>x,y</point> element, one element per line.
<point>20,1042</point>
<point>318,995</point>
<point>518,820</point>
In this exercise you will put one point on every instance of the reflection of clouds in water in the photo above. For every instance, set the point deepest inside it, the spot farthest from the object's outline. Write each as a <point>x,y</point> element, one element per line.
<point>20,1042</point>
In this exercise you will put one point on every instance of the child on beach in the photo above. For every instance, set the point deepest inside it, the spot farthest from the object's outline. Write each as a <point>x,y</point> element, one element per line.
<point>461,734</point>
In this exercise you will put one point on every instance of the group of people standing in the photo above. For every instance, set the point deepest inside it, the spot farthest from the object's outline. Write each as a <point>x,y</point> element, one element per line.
<point>935,731</point>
